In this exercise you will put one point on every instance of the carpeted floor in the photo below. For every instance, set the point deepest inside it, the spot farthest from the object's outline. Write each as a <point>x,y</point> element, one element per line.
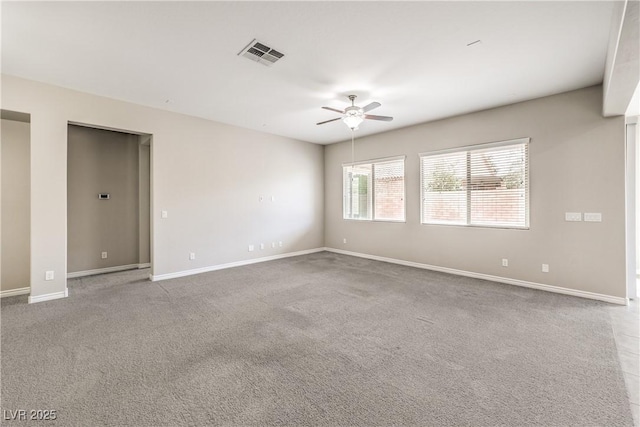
<point>321,339</point>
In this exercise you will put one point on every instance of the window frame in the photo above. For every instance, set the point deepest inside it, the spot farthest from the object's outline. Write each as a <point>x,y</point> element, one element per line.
<point>482,146</point>
<point>372,163</point>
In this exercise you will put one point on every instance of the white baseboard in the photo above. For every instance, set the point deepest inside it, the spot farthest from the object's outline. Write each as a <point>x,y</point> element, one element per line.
<point>14,292</point>
<point>103,270</point>
<point>157,277</point>
<point>506,280</point>
<point>48,297</point>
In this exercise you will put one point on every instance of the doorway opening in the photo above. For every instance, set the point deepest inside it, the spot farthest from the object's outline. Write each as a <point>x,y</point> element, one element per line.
<point>108,200</point>
<point>15,201</point>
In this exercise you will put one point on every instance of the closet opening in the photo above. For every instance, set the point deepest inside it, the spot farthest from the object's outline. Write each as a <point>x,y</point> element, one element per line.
<point>108,200</point>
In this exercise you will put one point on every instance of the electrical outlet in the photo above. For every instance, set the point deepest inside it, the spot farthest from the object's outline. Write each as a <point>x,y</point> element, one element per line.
<point>192,255</point>
<point>261,246</point>
<point>104,255</point>
<point>545,268</point>
<point>273,245</point>
<point>251,248</point>
<point>344,240</point>
<point>505,262</point>
<point>48,275</point>
<point>280,243</point>
<point>164,214</point>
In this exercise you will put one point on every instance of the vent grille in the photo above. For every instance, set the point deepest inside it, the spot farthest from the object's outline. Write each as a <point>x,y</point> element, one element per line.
<point>261,53</point>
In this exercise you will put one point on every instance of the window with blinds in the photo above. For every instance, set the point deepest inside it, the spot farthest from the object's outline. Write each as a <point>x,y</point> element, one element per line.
<point>484,185</point>
<point>374,190</point>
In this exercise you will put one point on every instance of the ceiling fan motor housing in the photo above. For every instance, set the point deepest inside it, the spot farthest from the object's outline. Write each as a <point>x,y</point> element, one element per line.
<point>353,111</point>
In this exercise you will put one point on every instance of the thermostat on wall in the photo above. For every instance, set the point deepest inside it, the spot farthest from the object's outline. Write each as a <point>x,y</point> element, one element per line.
<point>104,196</point>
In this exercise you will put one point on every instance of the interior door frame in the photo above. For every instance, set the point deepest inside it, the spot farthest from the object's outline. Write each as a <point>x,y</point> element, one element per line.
<point>631,213</point>
<point>149,141</point>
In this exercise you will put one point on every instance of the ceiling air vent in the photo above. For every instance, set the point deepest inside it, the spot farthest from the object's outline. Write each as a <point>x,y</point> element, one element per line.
<point>261,53</point>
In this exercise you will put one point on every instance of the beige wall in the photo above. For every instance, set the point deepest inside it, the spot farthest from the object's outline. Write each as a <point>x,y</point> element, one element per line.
<point>207,175</point>
<point>15,205</point>
<point>577,165</point>
<point>102,161</point>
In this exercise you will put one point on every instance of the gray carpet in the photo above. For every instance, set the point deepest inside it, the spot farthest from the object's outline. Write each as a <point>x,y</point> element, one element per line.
<point>321,339</point>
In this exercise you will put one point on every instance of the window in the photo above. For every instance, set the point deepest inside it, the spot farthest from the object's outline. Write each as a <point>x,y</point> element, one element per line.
<point>484,185</point>
<point>374,190</point>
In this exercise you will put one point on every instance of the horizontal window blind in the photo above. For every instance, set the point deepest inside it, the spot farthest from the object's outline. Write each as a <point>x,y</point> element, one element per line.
<point>481,185</point>
<point>389,190</point>
<point>444,198</point>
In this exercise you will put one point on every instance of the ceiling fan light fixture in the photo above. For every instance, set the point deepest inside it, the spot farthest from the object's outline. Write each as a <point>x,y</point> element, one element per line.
<point>353,121</point>
<point>353,115</point>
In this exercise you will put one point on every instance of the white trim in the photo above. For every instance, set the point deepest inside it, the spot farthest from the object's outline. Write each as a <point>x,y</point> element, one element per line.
<point>506,280</point>
<point>157,277</point>
<point>631,205</point>
<point>102,270</point>
<point>99,127</point>
<point>480,146</point>
<point>48,297</point>
<point>371,161</point>
<point>144,265</point>
<point>14,292</point>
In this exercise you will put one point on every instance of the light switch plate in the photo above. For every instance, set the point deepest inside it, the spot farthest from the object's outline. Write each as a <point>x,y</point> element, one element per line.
<point>164,214</point>
<point>573,216</point>
<point>593,216</point>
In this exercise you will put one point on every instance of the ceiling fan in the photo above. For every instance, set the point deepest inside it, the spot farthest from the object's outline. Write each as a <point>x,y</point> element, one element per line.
<point>352,116</point>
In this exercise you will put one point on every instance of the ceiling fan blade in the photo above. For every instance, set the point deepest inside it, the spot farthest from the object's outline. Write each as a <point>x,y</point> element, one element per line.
<point>334,109</point>
<point>370,106</point>
<point>382,118</point>
<point>327,121</point>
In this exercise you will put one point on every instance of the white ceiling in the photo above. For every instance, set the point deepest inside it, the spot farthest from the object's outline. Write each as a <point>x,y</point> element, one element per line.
<point>410,56</point>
